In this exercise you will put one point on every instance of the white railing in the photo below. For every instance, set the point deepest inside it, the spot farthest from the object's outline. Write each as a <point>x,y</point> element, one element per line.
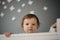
<point>32,36</point>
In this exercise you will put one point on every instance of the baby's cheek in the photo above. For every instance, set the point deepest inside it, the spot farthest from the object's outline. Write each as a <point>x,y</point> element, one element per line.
<point>35,28</point>
<point>25,29</point>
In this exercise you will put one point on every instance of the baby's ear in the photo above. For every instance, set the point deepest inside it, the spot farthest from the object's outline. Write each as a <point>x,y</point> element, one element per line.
<point>38,27</point>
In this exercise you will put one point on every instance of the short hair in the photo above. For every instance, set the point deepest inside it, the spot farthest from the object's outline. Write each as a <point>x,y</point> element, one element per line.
<point>30,16</point>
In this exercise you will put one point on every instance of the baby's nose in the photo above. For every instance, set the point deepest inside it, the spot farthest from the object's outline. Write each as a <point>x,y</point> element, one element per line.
<point>30,26</point>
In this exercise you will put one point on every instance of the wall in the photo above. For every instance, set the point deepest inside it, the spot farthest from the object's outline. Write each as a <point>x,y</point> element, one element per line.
<point>12,12</point>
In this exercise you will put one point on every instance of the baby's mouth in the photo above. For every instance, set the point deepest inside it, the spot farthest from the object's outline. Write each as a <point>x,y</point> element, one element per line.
<point>30,30</point>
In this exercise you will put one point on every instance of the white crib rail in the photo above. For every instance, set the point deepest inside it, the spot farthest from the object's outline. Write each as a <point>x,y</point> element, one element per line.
<point>58,28</point>
<point>32,36</point>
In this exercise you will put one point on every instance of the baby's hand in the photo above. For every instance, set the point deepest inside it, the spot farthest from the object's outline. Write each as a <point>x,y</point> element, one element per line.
<point>8,34</point>
<point>54,25</point>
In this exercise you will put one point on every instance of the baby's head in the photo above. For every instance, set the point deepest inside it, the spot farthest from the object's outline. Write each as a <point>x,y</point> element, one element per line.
<point>30,23</point>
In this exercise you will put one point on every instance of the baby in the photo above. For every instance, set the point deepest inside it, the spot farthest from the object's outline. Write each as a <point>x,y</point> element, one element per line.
<point>30,24</point>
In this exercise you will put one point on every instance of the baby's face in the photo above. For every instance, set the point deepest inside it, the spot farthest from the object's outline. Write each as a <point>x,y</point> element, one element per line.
<point>30,25</point>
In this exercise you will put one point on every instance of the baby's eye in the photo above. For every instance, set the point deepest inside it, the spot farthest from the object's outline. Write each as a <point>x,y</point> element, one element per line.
<point>33,24</point>
<point>27,23</point>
